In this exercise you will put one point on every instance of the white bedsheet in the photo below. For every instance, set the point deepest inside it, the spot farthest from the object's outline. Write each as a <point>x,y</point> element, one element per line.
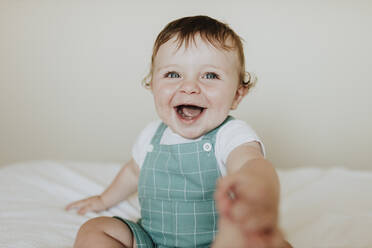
<point>319,208</point>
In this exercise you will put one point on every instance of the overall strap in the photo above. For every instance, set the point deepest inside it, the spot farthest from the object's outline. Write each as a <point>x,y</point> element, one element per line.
<point>211,135</point>
<point>158,134</point>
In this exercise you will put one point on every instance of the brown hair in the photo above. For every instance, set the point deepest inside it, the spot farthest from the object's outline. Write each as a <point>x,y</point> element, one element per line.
<point>210,30</point>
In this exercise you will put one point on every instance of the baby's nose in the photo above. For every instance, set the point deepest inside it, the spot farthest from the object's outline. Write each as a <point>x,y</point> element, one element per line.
<point>190,87</point>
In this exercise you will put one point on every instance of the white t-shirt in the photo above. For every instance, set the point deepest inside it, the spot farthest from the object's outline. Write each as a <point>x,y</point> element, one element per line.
<point>231,135</point>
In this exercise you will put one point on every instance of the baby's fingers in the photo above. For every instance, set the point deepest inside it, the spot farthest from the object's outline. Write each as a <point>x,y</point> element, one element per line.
<point>84,209</point>
<point>77,204</point>
<point>225,186</point>
<point>252,218</point>
<point>224,196</point>
<point>72,205</point>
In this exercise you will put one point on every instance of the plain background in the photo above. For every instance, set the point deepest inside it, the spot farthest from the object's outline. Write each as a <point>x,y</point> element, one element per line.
<point>71,71</point>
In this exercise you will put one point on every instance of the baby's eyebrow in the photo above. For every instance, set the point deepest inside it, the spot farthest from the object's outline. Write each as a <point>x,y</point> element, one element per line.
<point>203,66</point>
<point>217,68</point>
<point>213,66</point>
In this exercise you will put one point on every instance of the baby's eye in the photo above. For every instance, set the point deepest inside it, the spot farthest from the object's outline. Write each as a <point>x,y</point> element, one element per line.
<point>172,74</point>
<point>211,75</point>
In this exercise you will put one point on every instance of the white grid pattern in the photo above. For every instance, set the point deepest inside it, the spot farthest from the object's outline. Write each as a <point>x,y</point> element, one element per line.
<point>179,190</point>
<point>177,208</point>
<point>194,225</point>
<point>167,166</point>
<point>176,223</point>
<point>162,222</point>
<point>201,179</point>
<point>180,166</point>
<point>181,214</point>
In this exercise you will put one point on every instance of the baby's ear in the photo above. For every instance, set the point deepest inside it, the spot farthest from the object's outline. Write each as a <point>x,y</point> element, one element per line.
<point>149,86</point>
<point>241,92</point>
<point>147,82</point>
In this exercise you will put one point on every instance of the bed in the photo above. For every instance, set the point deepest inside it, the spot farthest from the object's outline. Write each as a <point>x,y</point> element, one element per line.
<point>319,207</point>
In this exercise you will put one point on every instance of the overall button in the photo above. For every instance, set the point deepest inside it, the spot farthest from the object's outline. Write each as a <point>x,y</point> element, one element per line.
<point>207,147</point>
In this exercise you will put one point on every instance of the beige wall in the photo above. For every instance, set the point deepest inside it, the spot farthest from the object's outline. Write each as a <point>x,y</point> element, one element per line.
<point>70,74</point>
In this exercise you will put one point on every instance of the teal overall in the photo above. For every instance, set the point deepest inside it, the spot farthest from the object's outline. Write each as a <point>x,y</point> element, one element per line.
<point>175,191</point>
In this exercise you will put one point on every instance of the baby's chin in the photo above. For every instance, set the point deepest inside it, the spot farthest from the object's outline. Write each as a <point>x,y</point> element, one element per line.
<point>190,132</point>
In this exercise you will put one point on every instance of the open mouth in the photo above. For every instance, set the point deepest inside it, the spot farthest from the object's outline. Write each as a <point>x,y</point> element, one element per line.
<point>189,112</point>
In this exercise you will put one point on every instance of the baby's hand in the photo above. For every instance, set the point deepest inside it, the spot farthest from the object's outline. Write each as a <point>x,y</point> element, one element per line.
<point>231,235</point>
<point>93,203</point>
<point>251,203</point>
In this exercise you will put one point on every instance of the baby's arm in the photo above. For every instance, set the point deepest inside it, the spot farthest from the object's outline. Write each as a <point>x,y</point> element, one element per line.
<point>253,182</point>
<point>124,184</point>
<point>248,198</point>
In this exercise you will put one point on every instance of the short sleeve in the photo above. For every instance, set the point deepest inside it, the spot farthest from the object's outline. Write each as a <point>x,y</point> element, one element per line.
<point>233,134</point>
<point>143,140</point>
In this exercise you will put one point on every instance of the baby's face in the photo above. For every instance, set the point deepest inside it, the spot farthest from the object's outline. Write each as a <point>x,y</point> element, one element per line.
<point>194,88</point>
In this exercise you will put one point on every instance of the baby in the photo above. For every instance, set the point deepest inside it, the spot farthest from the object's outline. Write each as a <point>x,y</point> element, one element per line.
<point>201,175</point>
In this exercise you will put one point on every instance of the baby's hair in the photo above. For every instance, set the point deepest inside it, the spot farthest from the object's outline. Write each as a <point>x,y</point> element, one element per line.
<point>218,34</point>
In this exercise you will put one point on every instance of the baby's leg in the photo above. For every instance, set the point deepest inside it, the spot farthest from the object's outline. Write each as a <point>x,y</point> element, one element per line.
<point>104,232</point>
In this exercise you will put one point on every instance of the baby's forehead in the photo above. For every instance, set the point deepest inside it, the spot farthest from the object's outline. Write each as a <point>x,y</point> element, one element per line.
<point>195,57</point>
<point>197,46</point>
<point>198,41</point>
